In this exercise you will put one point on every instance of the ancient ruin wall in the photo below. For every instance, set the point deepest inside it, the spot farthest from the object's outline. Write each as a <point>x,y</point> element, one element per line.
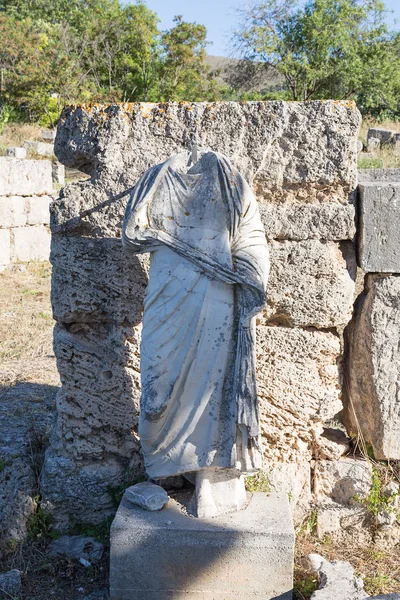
<point>300,159</point>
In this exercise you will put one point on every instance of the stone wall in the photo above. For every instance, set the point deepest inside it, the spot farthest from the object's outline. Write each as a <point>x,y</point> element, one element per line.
<point>300,159</point>
<point>26,190</point>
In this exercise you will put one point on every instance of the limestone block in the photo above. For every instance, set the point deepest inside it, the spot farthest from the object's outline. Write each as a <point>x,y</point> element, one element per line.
<point>30,243</point>
<point>96,280</point>
<point>379,228</point>
<point>5,256</point>
<point>386,175</point>
<point>273,144</point>
<point>311,284</point>
<point>383,135</point>
<point>24,177</point>
<point>342,480</point>
<point>49,134</point>
<point>167,554</point>
<point>372,391</point>
<point>77,547</point>
<point>373,143</point>
<point>37,210</point>
<point>97,406</point>
<point>81,491</point>
<point>294,480</point>
<point>327,221</point>
<point>342,522</point>
<point>58,172</point>
<point>298,383</point>
<point>12,211</point>
<point>147,495</point>
<point>16,152</point>
<point>41,148</point>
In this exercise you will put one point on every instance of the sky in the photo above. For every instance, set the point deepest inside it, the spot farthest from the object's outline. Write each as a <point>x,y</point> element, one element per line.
<point>218,16</point>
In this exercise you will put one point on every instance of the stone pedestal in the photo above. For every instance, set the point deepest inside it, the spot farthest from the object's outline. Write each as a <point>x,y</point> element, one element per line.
<point>169,555</point>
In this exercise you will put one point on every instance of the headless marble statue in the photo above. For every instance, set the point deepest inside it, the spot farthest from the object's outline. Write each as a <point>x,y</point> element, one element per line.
<point>209,266</point>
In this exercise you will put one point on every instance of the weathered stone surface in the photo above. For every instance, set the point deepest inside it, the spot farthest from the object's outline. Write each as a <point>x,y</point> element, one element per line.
<point>341,522</point>
<point>41,148</point>
<point>383,135</point>
<point>77,546</point>
<point>147,495</point>
<point>372,393</point>
<point>379,228</point>
<point>24,177</point>
<point>37,209</point>
<point>58,172</point>
<point>371,175</point>
<point>5,253</point>
<point>299,388</point>
<point>93,283</point>
<point>294,480</point>
<point>26,412</point>
<point>97,406</point>
<point>166,553</point>
<point>16,152</point>
<point>327,221</point>
<point>10,584</point>
<point>12,211</point>
<point>275,143</point>
<point>49,134</point>
<point>332,444</point>
<point>30,243</point>
<point>342,480</point>
<point>337,580</point>
<point>311,284</point>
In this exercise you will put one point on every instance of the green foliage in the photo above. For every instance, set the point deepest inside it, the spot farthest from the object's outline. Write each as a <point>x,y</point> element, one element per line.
<point>309,524</point>
<point>258,483</point>
<point>40,524</point>
<point>377,500</point>
<point>99,531</point>
<point>4,116</point>
<point>326,49</point>
<point>3,465</point>
<point>304,588</point>
<point>378,583</point>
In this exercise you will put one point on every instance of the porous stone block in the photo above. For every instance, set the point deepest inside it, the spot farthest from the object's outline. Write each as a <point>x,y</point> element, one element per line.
<point>379,228</point>
<point>12,211</point>
<point>10,584</point>
<point>273,144</point>
<point>37,210</point>
<point>98,403</point>
<point>49,134</point>
<point>298,384</point>
<point>5,255</point>
<point>24,177</point>
<point>372,391</point>
<point>166,554</point>
<point>306,221</point>
<point>96,280</point>
<point>311,284</point>
<point>41,148</point>
<point>30,243</point>
<point>294,480</point>
<point>16,152</point>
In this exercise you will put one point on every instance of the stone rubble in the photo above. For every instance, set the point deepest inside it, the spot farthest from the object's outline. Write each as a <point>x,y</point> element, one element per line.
<point>77,547</point>
<point>147,495</point>
<point>10,585</point>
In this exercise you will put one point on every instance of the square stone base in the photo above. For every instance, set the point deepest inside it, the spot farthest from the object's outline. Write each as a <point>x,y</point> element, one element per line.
<point>167,555</point>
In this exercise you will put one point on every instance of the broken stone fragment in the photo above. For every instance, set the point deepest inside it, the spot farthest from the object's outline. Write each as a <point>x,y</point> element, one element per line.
<point>10,584</point>
<point>147,495</point>
<point>337,579</point>
<point>77,547</point>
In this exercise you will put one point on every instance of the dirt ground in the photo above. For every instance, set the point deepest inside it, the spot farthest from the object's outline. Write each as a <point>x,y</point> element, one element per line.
<point>26,355</point>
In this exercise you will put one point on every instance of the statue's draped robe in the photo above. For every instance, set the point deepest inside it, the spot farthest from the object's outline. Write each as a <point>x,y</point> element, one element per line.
<point>208,273</point>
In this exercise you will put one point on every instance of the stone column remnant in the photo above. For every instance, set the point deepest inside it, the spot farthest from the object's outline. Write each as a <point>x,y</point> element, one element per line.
<point>300,159</point>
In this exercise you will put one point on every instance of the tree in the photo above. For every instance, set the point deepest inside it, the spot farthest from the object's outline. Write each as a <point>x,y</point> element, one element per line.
<point>325,48</point>
<point>183,73</point>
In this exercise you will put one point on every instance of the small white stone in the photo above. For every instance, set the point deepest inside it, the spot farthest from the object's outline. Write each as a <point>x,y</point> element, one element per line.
<point>147,495</point>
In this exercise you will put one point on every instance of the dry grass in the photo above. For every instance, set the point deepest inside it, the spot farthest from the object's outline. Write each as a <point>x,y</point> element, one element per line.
<point>367,123</point>
<point>14,134</point>
<point>26,325</point>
